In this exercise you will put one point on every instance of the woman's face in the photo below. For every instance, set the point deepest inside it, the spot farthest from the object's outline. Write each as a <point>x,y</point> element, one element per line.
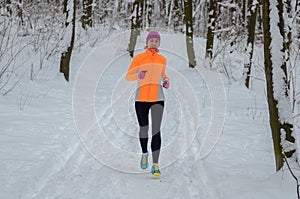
<point>153,43</point>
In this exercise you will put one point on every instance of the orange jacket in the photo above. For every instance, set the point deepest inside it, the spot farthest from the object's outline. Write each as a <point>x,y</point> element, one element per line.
<point>149,89</point>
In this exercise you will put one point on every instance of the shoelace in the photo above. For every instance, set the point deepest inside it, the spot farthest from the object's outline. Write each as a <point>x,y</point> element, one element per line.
<point>156,167</point>
<point>144,159</point>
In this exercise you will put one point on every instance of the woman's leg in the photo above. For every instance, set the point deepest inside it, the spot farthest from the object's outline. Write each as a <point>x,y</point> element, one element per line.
<point>156,116</point>
<point>142,112</point>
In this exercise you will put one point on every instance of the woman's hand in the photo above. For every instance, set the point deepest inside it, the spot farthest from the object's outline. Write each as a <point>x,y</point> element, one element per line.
<point>142,74</point>
<point>166,84</point>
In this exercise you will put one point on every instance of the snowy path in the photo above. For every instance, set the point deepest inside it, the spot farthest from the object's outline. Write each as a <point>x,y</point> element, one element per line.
<point>42,155</point>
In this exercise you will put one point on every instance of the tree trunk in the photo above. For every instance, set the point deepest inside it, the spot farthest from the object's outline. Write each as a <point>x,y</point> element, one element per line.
<point>251,21</point>
<point>66,55</point>
<point>244,10</point>
<point>66,12</point>
<point>210,29</point>
<point>120,6</point>
<point>282,32</point>
<point>188,5</point>
<point>176,16</point>
<point>163,17</point>
<point>298,18</point>
<point>259,35</point>
<point>136,21</point>
<point>289,27</point>
<point>149,11</point>
<point>177,19</point>
<point>169,11</point>
<point>288,127</point>
<point>20,11</point>
<point>8,7</point>
<point>86,18</point>
<point>65,6</point>
<point>276,121</point>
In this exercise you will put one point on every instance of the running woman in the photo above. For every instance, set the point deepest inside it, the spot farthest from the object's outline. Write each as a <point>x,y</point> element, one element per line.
<point>148,69</point>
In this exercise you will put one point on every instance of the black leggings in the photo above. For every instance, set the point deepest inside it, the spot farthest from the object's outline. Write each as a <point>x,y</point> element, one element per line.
<point>142,112</point>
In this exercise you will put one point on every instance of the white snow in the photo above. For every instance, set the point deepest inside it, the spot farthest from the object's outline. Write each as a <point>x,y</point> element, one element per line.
<point>277,56</point>
<point>70,9</point>
<point>43,153</point>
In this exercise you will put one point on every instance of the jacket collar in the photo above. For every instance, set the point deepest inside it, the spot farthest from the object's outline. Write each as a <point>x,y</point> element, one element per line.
<point>153,51</point>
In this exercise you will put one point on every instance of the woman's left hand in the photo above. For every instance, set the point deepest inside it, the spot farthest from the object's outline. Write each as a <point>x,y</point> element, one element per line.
<point>166,84</point>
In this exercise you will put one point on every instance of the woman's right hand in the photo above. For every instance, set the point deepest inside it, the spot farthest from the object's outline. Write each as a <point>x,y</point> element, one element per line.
<point>142,74</point>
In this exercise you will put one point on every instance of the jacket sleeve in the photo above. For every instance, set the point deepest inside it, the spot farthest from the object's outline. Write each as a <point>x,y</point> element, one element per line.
<point>163,73</point>
<point>132,73</point>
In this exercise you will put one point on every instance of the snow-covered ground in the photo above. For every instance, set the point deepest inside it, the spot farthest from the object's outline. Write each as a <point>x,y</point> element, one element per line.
<point>50,129</point>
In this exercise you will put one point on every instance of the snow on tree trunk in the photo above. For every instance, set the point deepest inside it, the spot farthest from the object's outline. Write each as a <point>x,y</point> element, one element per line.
<point>86,18</point>
<point>293,42</point>
<point>251,21</point>
<point>276,79</point>
<point>171,5</point>
<point>289,21</point>
<point>210,29</point>
<point>136,21</point>
<point>149,12</point>
<point>178,16</point>
<point>244,10</point>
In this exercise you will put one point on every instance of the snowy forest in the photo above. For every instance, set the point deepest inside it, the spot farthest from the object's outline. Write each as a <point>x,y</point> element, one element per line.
<point>249,42</point>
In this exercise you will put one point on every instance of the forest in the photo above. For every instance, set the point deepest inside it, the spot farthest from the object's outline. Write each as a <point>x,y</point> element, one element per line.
<point>52,29</point>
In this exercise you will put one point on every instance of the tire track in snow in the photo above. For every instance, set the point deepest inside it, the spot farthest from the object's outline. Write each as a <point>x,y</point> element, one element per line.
<point>73,163</point>
<point>59,164</point>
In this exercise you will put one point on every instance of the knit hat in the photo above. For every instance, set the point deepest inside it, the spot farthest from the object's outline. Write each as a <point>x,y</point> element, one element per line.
<point>151,35</point>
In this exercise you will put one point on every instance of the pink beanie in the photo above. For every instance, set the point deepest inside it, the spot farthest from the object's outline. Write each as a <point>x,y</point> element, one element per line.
<point>151,35</point>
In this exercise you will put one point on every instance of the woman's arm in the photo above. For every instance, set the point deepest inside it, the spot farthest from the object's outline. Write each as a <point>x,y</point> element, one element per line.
<point>163,72</point>
<point>132,73</point>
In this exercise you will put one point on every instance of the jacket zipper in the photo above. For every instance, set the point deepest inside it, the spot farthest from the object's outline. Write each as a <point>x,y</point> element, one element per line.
<point>150,77</point>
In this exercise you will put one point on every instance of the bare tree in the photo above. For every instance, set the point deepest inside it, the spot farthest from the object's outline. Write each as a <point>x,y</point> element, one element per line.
<point>136,22</point>
<point>244,6</point>
<point>169,12</point>
<point>276,80</point>
<point>20,11</point>
<point>7,4</point>
<point>251,21</point>
<point>210,29</point>
<point>86,18</point>
<point>188,7</point>
<point>70,7</point>
<point>177,16</point>
<point>149,11</point>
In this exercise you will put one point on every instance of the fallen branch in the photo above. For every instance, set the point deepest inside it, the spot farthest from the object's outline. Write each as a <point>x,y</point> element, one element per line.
<point>298,186</point>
